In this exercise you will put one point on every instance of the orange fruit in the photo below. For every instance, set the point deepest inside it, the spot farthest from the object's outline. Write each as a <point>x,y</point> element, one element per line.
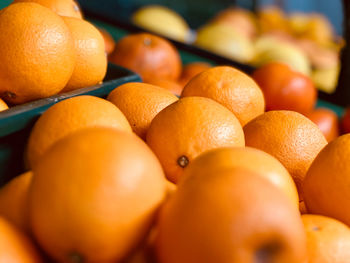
<point>108,39</point>
<point>229,216</point>
<point>188,127</point>
<point>171,85</point>
<point>14,200</point>
<point>285,89</point>
<point>69,116</point>
<point>326,185</point>
<point>68,8</point>
<point>191,70</point>
<point>230,87</point>
<point>265,165</point>
<point>345,122</point>
<point>91,64</point>
<point>327,121</point>
<point>290,137</point>
<point>148,55</point>
<point>15,246</point>
<point>95,190</point>
<point>3,105</point>
<point>37,53</point>
<point>328,240</point>
<point>140,103</point>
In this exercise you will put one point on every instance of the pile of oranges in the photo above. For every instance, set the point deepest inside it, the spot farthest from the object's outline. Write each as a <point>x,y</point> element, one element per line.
<point>230,170</point>
<point>47,48</point>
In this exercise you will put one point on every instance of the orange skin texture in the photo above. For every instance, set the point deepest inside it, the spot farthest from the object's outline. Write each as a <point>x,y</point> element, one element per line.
<point>68,8</point>
<point>265,165</point>
<point>191,70</point>
<point>290,137</point>
<point>109,41</point>
<point>91,64</point>
<point>345,122</point>
<point>3,105</point>
<point>327,121</point>
<point>69,116</point>
<point>229,215</point>
<point>148,55</point>
<point>328,240</point>
<point>189,127</point>
<point>37,53</point>
<point>285,89</point>
<point>326,185</point>
<point>170,85</point>
<point>96,196</point>
<point>140,103</point>
<point>14,200</point>
<point>15,246</point>
<point>230,87</point>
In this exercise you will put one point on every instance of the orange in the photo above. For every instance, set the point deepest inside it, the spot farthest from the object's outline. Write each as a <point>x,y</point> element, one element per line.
<point>230,87</point>
<point>326,185</point>
<point>3,105</point>
<point>148,55</point>
<point>229,215</point>
<point>108,39</point>
<point>91,64</point>
<point>265,165</point>
<point>95,190</point>
<point>69,116</point>
<point>290,137</point>
<point>191,70</point>
<point>140,103</point>
<point>188,127</point>
<point>285,89</point>
<point>302,207</point>
<point>68,8</point>
<point>327,121</point>
<point>328,240</point>
<point>345,122</point>
<point>171,85</point>
<point>37,53</point>
<point>14,200</point>
<point>15,246</point>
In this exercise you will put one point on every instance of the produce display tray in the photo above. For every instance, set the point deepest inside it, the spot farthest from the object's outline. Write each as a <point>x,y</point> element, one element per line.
<point>109,12</point>
<point>16,122</point>
<point>190,54</point>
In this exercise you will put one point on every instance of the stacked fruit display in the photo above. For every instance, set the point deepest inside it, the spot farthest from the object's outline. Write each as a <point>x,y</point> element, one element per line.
<point>231,170</point>
<point>306,42</point>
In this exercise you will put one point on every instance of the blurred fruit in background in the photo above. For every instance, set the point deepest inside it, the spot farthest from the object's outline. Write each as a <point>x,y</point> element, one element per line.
<point>163,21</point>
<point>272,18</point>
<point>68,8</point>
<point>241,20</point>
<point>327,121</point>
<point>109,41</point>
<point>224,40</point>
<point>148,55</point>
<point>271,49</point>
<point>285,89</point>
